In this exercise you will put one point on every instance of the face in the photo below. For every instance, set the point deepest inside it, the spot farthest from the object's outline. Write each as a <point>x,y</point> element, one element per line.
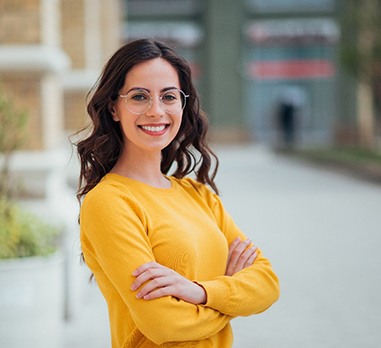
<point>154,129</point>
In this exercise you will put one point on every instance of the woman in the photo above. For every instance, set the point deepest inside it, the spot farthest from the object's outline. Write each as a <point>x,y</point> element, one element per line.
<point>172,265</point>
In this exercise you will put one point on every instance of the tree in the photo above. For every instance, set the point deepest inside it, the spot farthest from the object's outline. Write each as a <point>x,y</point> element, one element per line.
<point>361,56</point>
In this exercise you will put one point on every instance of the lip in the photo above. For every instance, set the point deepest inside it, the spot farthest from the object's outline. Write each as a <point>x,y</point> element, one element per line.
<point>154,129</point>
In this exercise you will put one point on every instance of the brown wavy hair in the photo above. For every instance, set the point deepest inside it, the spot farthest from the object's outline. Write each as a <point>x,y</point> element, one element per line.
<point>99,152</point>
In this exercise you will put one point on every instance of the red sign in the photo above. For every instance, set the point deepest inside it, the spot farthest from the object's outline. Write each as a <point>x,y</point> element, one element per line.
<point>291,69</point>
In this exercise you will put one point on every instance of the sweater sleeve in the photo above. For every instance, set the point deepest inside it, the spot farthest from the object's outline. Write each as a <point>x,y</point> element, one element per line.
<point>115,242</point>
<point>250,291</point>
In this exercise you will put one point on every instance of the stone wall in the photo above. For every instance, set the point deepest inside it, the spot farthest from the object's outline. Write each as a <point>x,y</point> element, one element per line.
<point>51,52</point>
<point>25,93</point>
<point>73,31</point>
<point>20,22</point>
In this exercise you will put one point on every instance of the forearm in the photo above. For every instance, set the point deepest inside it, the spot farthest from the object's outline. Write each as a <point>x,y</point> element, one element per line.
<point>154,280</point>
<point>250,291</point>
<point>171,320</point>
<point>164,319</point>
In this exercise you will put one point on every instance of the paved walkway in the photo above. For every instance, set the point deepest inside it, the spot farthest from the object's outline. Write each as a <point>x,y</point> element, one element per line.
<point>322,232</point>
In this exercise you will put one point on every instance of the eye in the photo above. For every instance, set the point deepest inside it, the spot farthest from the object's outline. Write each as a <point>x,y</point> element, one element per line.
<point>138,96</point>
<point>170,97</point>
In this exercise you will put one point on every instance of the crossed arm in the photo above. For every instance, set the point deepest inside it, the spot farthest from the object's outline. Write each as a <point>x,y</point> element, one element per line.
<point>248,286</point>
<point>153,280</point>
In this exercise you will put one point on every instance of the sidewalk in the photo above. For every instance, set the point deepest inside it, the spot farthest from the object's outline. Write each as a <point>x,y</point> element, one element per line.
<point>322,232</point>
<point>89,328</point>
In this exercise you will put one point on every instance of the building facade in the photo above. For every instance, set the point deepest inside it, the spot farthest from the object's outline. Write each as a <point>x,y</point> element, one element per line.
<point>50,54</point>
<point>250,59</point>
<point>254,58</point>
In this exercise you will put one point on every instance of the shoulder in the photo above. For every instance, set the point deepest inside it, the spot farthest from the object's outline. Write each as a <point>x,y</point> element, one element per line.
<point>108,194</point>
<point>189,183</point>
<point>196,188</point>
<point>106,188</point>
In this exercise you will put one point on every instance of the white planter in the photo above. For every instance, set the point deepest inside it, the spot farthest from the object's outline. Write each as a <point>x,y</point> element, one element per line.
<point>31,302</point>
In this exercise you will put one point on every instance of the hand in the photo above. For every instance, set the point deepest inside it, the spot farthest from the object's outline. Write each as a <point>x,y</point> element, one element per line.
<point>155,280</point>
<point>241,255</point>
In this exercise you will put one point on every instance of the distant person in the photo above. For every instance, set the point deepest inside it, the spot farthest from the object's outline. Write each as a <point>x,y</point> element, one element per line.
<point>287,123</point>
<point>291,106</point>
<point>171,263</point>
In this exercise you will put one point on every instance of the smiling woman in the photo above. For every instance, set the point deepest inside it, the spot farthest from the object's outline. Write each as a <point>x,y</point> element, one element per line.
<point>171,263</point>
<point>148,123</point>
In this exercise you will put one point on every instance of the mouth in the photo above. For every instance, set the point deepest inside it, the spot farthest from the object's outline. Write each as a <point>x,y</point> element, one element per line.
<point>154,129</point>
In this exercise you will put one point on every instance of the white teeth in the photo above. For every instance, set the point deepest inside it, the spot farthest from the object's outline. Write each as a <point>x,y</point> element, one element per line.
<point>153,128</point>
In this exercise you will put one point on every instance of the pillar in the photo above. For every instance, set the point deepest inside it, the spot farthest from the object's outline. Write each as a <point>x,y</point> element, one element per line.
<point>223,54</point>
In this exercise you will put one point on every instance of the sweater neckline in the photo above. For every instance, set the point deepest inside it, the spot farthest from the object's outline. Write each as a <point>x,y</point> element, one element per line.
<point>136,183</point>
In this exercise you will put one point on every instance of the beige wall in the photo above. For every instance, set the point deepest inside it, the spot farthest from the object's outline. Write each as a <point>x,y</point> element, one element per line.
<point>51,52</point>
<point>75,111</point>
<point>20,22</point>
<point>25,92</point>
<point>73,31</point>
<point>91,32</point>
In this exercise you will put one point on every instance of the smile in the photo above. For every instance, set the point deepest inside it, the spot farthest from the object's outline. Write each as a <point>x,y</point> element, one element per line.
<point>153,128</point>
<point>159,129</point>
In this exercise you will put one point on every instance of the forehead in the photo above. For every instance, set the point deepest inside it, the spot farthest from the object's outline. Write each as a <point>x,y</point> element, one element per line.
<point>152,74</point>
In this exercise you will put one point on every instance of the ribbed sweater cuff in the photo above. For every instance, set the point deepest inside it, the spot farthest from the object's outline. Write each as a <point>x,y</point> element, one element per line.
<point>217,293</point>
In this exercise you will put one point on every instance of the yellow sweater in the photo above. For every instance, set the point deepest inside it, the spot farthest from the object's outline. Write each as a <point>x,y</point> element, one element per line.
<point>125,223</point>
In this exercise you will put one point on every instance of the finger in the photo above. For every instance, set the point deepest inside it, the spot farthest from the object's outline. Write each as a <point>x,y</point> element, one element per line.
<point>243,259</point>
<point>160,292</point>
<point>231,265</point>
<point>147,275</point>
<point>251,259</point>
<point>145,267</point>
<point>238,251</point>
<point>232,246</point>
<point>153,285</point>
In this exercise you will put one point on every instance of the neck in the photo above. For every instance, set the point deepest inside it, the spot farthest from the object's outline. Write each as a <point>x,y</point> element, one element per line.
<point>144,167</point>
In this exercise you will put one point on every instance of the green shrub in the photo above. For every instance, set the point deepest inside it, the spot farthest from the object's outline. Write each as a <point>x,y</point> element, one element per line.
<point>13,124</point>
<point>23,234</point>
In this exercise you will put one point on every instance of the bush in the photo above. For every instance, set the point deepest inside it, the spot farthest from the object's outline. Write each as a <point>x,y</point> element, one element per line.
<point>13,124</point>
<point>23,234</point>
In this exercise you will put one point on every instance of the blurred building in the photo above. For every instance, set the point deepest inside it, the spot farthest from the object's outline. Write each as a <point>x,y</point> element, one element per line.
<point>50,54</point>
<point>251,57</point>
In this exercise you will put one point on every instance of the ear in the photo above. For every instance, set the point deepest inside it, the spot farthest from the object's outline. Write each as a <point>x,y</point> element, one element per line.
<point>113,111</point>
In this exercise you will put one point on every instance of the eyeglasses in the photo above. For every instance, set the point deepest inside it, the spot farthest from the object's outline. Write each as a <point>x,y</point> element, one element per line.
<point>139,101</point>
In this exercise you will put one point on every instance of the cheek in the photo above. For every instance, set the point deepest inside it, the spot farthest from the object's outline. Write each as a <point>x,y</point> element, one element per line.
<point>179,120</point>
<point>127,127</point>
<point>176,126</point>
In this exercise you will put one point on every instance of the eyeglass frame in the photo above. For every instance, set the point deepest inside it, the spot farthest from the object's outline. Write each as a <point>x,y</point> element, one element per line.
<point>150,103</point>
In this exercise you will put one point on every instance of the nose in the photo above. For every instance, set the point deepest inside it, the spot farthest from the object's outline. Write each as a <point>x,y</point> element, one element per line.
<point>155,109</point>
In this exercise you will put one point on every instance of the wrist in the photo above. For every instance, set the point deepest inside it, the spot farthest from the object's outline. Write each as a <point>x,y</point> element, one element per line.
<point>202,296</point>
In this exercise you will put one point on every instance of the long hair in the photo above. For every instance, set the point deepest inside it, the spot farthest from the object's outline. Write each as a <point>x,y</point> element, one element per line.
<point>99,152</point>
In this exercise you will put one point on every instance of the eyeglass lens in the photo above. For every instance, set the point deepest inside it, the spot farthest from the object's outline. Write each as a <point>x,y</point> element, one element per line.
<point>139,101</point>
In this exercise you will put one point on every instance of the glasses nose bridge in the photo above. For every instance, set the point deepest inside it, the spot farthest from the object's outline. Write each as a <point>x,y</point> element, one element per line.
<point>152,100</point>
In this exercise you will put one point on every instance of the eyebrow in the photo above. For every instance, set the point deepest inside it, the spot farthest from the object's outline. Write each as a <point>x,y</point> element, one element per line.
<point>147,90</point>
